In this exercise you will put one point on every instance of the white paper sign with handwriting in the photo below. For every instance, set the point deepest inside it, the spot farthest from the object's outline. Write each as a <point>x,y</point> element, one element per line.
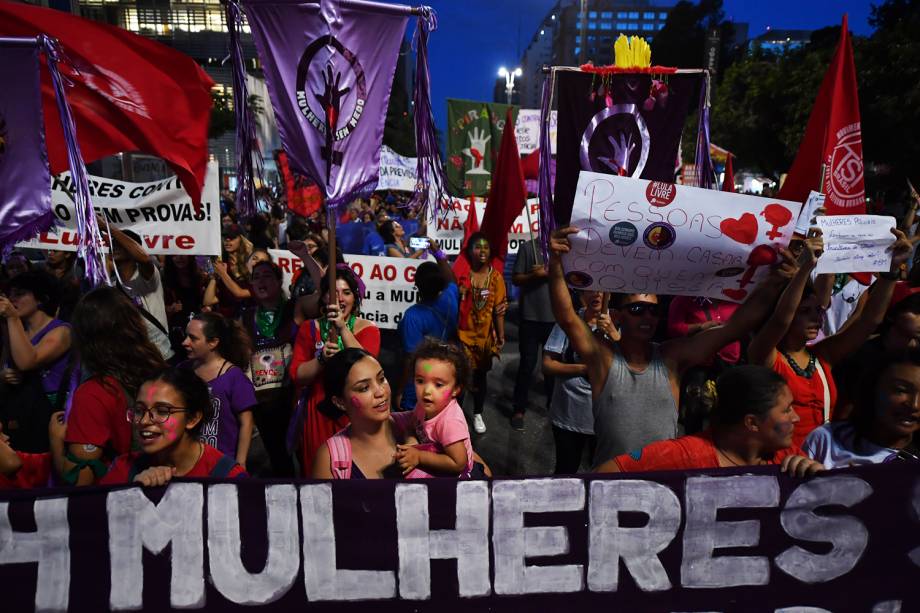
<point>640,236</point>
<point>855,243</point>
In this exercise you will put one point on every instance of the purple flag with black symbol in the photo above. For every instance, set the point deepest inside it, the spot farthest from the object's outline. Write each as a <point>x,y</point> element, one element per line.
<point>623,124</point>
<point>25,180</point>
<point>329,67</point>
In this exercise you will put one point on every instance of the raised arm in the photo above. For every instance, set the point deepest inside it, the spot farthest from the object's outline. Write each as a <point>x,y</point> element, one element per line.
<point>762,349</point>
<point>137,253</point>
<point>837,347</point>
<point>27,356</point>
<point>443,265</point>
<point>575,328</point>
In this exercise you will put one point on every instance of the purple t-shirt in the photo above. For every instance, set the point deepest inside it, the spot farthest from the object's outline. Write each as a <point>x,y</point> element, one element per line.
<point>231,394</point>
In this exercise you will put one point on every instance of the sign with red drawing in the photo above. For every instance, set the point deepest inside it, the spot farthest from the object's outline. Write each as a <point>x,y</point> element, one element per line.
<point>639,236</point>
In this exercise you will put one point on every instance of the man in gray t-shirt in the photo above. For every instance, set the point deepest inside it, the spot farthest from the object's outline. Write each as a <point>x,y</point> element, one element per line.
<point>536,322</point>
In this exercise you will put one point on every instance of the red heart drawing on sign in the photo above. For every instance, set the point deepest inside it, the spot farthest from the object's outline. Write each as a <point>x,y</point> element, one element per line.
<point>735,294</point>
<point>743,230</point>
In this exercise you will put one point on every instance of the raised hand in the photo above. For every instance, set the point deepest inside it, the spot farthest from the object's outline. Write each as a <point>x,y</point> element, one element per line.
<point>622,150</point>
<point>559,241</point>
<point>477,151</point>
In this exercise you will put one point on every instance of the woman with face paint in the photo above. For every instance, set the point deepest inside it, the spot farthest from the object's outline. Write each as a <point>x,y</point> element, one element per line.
<point>481,326</point>
<point>167,417</point>
<point>786,344</point>
<point>752,424</point>
<point>885,420</point>
<point>317,342</point>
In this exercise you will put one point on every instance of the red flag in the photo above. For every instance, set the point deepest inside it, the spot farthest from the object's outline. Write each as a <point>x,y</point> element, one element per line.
<point>508,194</point>
<point>302,199</point>
<point>833,138</point>
<point>530,165</point>
<point>470,226</point>
<point>129,93</point>
<point>728,181</point>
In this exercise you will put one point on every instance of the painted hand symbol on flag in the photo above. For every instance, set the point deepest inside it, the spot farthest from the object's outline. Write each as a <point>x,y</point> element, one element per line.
<point>477,151</point>
<point>622,150</point>
<point>331,98</point>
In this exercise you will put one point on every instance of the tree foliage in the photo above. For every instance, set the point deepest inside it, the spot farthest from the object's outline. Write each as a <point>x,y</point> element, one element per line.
<point>763,100</point>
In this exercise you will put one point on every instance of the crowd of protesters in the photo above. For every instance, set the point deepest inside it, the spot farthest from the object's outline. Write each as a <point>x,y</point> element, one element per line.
<point>190,366</point>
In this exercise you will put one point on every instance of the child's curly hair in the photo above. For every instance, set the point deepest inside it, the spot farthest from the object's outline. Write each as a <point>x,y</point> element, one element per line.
<point>432,348</point>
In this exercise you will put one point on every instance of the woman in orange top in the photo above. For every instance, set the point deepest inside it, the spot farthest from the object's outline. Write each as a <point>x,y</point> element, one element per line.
<point>783,342</point>
<point>481,325</point>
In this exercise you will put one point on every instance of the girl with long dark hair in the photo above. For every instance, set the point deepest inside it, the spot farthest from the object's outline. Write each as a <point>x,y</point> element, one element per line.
<point>111,341</point>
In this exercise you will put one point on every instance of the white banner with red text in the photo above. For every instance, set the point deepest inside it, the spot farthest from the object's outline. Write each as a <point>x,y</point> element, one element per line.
<point>448,227</point>
<point>389,283</point>
<point>161,212</point>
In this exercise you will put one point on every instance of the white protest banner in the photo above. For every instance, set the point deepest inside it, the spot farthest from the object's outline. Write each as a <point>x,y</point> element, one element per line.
<point>396,171</point>
<point>855,243</point>
<point>527,130</point>
<point>640,236</point>
<point>389,283</point>
<point>161,212</point>
<point>448,229</point>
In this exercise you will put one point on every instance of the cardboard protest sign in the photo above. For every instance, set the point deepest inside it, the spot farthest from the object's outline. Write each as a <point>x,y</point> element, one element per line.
<point>448,229</point>
<point>814,202</point>
<point>639,236</point>
<point>389,283</point>
<point>527,130</point>
<point>161,212</point>
<point>855,243</point>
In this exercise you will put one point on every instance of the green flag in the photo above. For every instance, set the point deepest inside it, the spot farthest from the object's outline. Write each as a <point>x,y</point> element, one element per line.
<point>473,139</point>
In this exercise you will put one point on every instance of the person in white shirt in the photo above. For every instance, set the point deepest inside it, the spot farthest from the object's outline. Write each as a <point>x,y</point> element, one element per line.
<point>139,277</point>
<point>885,419</point>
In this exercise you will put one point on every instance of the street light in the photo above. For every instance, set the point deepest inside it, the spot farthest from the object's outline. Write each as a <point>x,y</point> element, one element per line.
<point>509,80</point>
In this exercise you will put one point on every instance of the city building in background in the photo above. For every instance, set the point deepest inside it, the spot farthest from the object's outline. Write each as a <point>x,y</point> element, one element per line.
<point>780,41</point>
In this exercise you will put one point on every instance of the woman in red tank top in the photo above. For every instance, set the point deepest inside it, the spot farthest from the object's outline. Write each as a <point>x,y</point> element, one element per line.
<point>784,342</point>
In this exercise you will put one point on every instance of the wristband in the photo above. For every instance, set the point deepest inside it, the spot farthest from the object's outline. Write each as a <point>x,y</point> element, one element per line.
<point>439,255</point>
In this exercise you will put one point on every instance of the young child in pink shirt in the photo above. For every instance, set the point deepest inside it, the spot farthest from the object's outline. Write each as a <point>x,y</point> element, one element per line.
<point>444,448</point>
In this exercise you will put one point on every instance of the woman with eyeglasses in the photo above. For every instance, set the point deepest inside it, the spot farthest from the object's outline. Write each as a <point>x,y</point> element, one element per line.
<point>167,417</point>
<point>885,420</point>
<point>786,344</point>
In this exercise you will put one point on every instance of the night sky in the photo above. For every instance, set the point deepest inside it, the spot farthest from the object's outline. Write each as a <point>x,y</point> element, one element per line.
<point>475,37</point>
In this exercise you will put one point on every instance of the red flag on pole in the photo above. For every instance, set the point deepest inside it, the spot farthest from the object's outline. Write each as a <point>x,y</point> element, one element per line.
<point>470,226</point>
<point>832,144</point>
<point>129,93</point>
<point>508,194</point>
<point>728,181</point>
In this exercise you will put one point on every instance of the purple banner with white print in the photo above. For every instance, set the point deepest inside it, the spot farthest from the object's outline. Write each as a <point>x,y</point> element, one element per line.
<point>25,181</point>
<point>329,67</point>
<point>745,539</point>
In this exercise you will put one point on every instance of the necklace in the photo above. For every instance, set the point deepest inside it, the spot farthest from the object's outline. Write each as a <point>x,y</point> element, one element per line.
<point>806,372</point>
<point>480,297</point>
<point>725,455</point>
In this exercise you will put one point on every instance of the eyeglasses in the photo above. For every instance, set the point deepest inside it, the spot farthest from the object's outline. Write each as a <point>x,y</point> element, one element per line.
<point>639,308</point>
<point>158,413</point>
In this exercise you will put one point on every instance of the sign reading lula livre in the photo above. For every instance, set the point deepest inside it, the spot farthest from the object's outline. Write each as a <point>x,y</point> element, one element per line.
<point>746,539</point>
<point>389,283</point>
<point>639,236</point>
<point>161,212</point>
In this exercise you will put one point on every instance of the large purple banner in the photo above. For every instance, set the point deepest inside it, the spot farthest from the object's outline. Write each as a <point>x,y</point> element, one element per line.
<point>732,540</point>
<point>329,67</point>
<point>25,181</point>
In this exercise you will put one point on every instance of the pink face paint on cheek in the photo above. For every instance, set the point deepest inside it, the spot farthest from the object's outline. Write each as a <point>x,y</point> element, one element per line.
<point>171,430</point>
<point>356,402</point>
<point>447,394</point>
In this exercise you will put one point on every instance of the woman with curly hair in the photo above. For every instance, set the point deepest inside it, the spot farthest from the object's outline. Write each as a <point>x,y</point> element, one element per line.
<point>481,325</point>
<point>111,341</point>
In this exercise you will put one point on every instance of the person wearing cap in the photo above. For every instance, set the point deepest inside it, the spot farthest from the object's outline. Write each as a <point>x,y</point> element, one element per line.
<point>634,381</point>
<point>782,343</point>
<point>232,272</point>
<point>139,278</point>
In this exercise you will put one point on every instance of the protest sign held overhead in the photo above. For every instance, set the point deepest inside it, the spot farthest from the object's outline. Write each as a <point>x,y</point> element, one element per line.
<point>161,212</point>
<point>641,236</point>
<point>855,243</point>
<point>397,171</point>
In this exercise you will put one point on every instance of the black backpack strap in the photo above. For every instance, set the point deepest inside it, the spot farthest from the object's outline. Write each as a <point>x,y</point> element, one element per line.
<point>223,467</point>
<point>144,312</point>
